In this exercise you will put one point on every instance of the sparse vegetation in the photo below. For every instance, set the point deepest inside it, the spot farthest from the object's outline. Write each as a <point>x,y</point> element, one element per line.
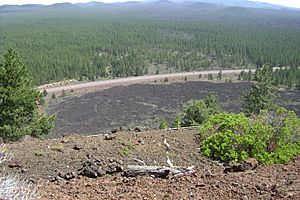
<point>163,123</point>
<point>45,93</point>
<point>219,75</point>
<point>53,96</point>
<point>126,148</point>
<point>39,153</point>
<point>57,148</point>
<point>63,93</point>
<point>197,111</point>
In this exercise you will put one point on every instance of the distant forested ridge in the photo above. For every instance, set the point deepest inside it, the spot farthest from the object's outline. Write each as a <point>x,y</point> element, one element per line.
<point>86,41</point>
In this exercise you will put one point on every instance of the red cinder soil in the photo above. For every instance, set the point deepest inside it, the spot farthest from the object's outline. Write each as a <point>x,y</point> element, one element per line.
<point>44,162</point>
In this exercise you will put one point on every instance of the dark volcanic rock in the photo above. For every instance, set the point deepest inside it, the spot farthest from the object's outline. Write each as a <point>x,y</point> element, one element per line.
<point>94,167</point>
<point>15,164</point>
<point>143,105</point>
<point>77,147</point>
<point>248,164</point>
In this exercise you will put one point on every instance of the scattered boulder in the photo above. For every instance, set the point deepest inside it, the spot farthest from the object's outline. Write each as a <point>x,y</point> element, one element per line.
<point>140,141</point>
<point>15,164</point>
<point>95,167</point>
<point>69,176</point>
<point>109,137</point>
<point>114,131</point>
<point>77,147</point>
<point>137,129</point>
<point>117,130</point>
<point>249,164</point>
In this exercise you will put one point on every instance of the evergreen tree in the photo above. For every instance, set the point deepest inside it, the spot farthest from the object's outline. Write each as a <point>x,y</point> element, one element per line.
<point>262,93</point>
<point>18,101</point>
<point>219,75</point>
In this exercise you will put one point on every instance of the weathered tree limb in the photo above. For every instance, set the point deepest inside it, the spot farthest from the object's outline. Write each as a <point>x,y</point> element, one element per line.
<point>156,171</point>
<point>139,161</point>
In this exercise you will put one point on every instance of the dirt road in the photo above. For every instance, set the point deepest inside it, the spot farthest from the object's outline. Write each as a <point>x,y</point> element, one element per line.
<point>134,80</point>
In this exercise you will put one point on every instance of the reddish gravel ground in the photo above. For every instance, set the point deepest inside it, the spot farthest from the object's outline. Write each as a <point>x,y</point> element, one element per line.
<point>42,160</point>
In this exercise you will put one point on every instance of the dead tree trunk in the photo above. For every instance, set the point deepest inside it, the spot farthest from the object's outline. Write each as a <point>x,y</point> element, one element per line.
<point>156,171</point>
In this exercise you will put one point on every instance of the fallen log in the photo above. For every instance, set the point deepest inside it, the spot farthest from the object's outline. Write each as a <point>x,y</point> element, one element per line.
<point>157,171</point>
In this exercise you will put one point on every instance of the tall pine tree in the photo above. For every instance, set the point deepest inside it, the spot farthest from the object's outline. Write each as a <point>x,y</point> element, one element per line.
<point>18,101</point>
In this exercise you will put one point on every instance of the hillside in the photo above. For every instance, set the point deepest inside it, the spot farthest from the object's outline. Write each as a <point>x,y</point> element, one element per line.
<point>46,165</point>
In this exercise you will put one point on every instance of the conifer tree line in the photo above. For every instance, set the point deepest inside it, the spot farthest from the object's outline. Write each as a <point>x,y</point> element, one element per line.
<point>288,77</point>
<point>90,46</point>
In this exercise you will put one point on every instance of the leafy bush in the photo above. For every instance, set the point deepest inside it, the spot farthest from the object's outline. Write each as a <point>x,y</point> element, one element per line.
<point>271,137</point>
<point>163,124</point>
<point>197,111</point>
<point>194,113</point>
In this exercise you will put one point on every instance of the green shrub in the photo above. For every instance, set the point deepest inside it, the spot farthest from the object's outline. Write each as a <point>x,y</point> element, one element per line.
<point>194,113</point>
<point>271,137</point>
<point>197,111</point>
<point>163,124</point>
<point>227,146</point>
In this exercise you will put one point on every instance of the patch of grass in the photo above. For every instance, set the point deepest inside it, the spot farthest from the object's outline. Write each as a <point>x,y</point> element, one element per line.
<point>107,175</point>
<point>57,148</point>
<point>127,148</point>
<point>38,153</point>
<point>125,151</point>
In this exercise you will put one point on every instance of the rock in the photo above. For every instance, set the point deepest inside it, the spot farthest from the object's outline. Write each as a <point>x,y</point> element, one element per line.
<point>200,185</point>
<point>249,164</point>
<point>77,147</point>
<point>114,131</point>
<point>53,179</point>
<point>244,197</point>
<point>109,137</point>
<point>117,130</point>
<point>15,164</point>
<point>89,172</point>
<point>137,129</point>
<point>94,167</point>
<point>141,141</point>
<point>261,187</point>
<point>69,176</point>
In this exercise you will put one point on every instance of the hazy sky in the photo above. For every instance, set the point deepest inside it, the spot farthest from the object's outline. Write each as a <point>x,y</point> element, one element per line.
<point>291,3</point>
